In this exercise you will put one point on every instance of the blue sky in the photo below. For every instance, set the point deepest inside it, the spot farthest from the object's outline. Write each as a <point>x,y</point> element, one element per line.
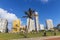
<point>47,9</point>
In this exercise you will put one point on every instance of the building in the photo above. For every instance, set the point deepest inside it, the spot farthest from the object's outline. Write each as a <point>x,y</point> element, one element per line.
<point>3,25</point>
<point>16,26</point>
<point>36,21</point>
<point>33,24</point>
<point>49,24</point>
<point>22,28</point>
<point>42,27</point>
<point>30,25</point>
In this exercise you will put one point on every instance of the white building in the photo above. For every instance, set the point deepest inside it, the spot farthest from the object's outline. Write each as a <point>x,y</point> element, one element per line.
<point>36,21</point>
<point>42,27</point>
<point>3,25</point>
<point>49,24</point>
<point>30,25</point>
<point>33,24</point>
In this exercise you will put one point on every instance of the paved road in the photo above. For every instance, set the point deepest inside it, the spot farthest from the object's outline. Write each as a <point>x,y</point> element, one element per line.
<point>41,38</point>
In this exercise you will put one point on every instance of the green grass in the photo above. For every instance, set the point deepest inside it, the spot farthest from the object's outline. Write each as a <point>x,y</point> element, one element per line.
<point>35,34</point>
<point>7,36</point>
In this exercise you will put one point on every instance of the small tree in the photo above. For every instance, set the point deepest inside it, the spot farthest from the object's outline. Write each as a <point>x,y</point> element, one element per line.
<point>58,27</point>
<point>7,30</point>
<point>54,32</point>
<point>44,33</point>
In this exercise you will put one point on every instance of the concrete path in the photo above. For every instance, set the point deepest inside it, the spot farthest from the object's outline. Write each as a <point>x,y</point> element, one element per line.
<point>39,38</point>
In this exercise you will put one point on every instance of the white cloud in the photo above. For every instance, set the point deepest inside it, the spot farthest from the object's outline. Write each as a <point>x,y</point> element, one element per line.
<point>7,15</point>
<point>44,1</point>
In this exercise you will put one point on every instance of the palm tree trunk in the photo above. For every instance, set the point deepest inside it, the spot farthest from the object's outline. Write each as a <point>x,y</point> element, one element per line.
<point>35,26</point>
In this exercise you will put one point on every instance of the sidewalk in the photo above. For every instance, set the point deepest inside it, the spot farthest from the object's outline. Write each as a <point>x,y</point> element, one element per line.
<point>39,38</point>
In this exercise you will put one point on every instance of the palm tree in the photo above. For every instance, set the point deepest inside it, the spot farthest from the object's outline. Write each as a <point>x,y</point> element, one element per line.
<point>29,14</point>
